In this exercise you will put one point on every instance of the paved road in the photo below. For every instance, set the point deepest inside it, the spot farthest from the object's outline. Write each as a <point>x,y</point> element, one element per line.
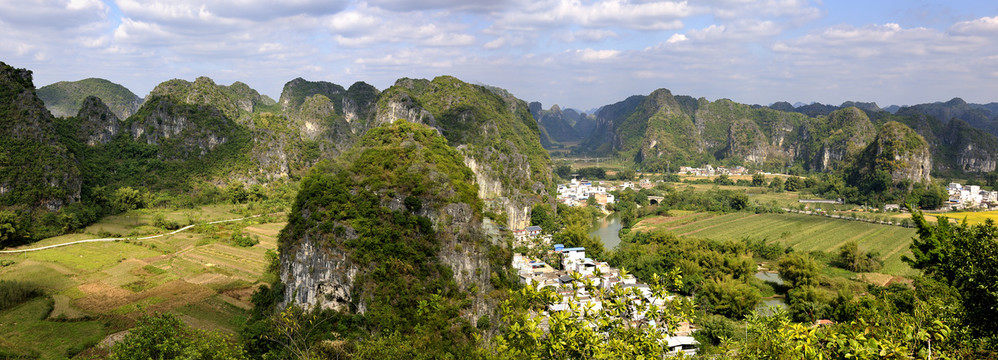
<point>121,238</point>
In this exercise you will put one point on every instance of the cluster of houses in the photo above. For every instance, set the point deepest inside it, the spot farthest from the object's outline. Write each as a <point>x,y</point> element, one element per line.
<point>577,193</point>
<point>708,170</point>
<point>970,196</point>
<point>575,266</point>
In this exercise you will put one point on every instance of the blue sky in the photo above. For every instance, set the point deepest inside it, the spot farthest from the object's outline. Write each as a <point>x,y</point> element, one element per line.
<point>575,53</point>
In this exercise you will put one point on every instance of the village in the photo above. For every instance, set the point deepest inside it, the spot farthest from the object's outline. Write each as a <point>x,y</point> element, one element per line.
<point>971,197</point>
<point>579,192</point>
<point>577,268</point>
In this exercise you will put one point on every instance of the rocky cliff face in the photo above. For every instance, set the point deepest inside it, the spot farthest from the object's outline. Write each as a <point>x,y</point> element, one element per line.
<point>36,170</point>
<point>320,277</point>
<point>973,151</point>
<point>849,131</point>
<point>97,124</point>
<point>899,151</point>
<point>180,130</point>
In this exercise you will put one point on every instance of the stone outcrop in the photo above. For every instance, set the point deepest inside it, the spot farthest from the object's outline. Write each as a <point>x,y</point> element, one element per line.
<point>182,130</point>
<point>97,124</point>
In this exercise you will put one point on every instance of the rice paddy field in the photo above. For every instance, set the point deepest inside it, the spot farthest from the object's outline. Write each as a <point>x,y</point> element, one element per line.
<point>802,232</point>
<point>93,290</point>
<point>973,217</point>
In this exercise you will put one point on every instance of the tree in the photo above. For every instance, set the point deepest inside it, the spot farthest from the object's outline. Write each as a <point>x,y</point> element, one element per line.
<point>729,297</point>
<point>540,216</point>
<point>758,179</point>
<point>794,183</point>
<point>166,337</point>
<point>965,257</point>
<point>798,270</point>
<point>850,258</point>
<point>126,198</point>
<point>564,171</point>
<point>723,179</point>
<point>626,174</point>
<point>577,235</point>
<point>236,192</point>
<point>10,231</point>
<point>776,184</point>
<point>257,193</point>
<point>991,178</point>
<point>585,331</point>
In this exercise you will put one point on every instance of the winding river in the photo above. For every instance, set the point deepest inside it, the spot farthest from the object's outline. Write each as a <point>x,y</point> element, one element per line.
<point>608,229</point>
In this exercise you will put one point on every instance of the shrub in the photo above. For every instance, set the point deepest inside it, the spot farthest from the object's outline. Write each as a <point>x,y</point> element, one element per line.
<point>16,292</point>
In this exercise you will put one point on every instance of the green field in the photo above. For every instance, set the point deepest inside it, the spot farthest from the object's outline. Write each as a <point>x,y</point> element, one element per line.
<point>802,232</point>
<point>198,274</point>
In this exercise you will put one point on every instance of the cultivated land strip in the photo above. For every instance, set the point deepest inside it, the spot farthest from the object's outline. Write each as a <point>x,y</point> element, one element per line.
<point>126,238</point>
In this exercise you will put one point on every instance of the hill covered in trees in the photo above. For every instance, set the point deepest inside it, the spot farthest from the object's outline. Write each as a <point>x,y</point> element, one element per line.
<point>66,98</point>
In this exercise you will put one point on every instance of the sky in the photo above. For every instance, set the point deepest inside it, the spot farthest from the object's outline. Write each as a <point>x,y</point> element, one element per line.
<point>575,53</point>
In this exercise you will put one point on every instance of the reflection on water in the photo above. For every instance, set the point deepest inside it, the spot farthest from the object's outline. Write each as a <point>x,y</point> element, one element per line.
<point>768,305</point>
<point>773,277</point>
<point>608,230</point>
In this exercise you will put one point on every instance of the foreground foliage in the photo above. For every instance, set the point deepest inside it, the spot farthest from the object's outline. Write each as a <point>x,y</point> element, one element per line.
<point>628,325</point>
<point>166,337</point>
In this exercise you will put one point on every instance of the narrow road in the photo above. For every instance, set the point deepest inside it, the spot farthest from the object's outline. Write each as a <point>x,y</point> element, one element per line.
<point>123,238</point>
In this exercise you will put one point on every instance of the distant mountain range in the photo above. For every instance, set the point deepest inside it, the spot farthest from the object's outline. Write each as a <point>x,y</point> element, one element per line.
<point>188,136</point>
<point>660,131</point>
<point>219,133</point>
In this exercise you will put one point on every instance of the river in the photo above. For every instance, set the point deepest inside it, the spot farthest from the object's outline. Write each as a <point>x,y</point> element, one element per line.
<point>608,229</point>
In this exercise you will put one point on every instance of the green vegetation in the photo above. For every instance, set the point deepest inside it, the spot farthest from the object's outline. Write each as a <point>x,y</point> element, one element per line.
<point>509,151</point>
<point>572,336</point>
<point>16,292</point>
<point>101,288</point>
<point>405,285</point>
<point>801,232</point>
<point>65,98</point>
<point>966,258</point>
<point>27,334</point>
<point>166,337</point>
<point>699,260</point>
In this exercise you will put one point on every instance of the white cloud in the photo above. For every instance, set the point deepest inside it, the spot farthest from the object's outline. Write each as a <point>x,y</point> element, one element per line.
<point>366,26</point>
<point>209,10</point>
<point>52,14</point>
<point>597,55</point>
<point>676,38</point>
<point>654,15</point>
<point>451,5</point>
<point>587,35</point>
<point>984,26</point>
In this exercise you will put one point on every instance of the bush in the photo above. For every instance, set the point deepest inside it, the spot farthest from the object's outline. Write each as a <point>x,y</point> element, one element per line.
<point>16,292</point>
<point>166,337</point>
<point>160,221</point>
<point>240,240</point>
<point>714,329</point>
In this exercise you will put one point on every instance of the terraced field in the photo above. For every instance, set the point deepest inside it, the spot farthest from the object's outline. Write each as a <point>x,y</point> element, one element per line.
<point>802,232</point>
<point>103,287</point>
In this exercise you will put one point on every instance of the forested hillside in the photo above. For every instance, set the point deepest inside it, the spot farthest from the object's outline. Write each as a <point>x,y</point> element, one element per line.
<point>66,98</point>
